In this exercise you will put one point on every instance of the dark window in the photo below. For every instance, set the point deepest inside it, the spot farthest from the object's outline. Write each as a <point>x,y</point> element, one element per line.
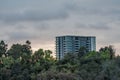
<point>76,38</point>
<point>63,38</point>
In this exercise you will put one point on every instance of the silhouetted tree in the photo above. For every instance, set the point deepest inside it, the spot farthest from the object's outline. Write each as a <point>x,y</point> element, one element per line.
<point>3,48</point>
<point>108,49</point>
<point>26,48</point>
<point>15,51</point>
<point>82,51</point>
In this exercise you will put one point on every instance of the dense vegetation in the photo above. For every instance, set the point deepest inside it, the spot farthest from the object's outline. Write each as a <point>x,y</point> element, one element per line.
<point>20,63</point>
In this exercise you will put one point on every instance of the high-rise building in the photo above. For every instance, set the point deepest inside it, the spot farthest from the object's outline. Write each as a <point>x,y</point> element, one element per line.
<point>72,44</point>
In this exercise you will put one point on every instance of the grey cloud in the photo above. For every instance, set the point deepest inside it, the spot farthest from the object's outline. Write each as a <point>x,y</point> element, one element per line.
<point>20,36</point>
<point>33,16</point>
<point>102,11</point>
<point>42,27</point>
<point>97,26</point>
<point>33,11</point>
<point>52,10</point>
<point>97,7</point>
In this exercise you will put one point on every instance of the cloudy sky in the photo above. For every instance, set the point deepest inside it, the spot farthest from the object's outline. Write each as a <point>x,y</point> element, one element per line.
<point>41,20</point>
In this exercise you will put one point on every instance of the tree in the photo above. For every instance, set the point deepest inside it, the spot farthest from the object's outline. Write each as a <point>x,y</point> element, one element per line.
<point>3,48</point>
<point>112,51</point>
<point>82,51</point>
<point>38,55</point>
<point>18,50</point>
<point>26,48</point>
<point>48,55</point>
<point>108,49</point>
<point>15,51</point>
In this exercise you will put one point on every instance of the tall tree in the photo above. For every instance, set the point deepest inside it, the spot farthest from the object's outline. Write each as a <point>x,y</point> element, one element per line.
<point>48,54</point>
<point>15,51</point>
<point>109,49</point>
<point>26,48</point>
<point>82,51</point>
<point>3,48</point>
<point>38,55</point>
<point>18,50</point>
<point>26,52</point>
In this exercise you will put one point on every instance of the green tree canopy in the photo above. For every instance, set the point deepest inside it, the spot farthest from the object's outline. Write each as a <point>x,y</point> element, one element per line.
<point>15,51</point>
<point>3,48</point>
<point>108,49</point>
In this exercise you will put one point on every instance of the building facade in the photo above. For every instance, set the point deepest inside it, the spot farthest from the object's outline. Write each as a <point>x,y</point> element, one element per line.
<point>72,44</point>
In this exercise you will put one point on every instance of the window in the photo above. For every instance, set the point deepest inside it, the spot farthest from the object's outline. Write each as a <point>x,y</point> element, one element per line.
<point>76,38</point>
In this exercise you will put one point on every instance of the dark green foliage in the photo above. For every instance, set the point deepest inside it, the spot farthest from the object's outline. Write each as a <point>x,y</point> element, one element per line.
<point>22,64</point>
<point>50,75</point>
<point>109,50</point>
<point>18,50</point>
<point>82,51</point>
<point>26,48</point>
<point>3,48</point>
<point>15,51</point>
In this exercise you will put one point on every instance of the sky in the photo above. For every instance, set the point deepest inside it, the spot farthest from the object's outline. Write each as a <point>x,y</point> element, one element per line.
<point>40,21</point>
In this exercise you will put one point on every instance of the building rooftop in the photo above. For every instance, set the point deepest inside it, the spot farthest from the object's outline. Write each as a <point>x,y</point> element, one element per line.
<point>74,36</point>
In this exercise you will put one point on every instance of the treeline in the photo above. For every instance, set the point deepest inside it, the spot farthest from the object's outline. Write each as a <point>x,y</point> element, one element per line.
<point>20,63</point>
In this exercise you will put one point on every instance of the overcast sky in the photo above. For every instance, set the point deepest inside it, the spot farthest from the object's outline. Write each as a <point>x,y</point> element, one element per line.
<point>41,20</point>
